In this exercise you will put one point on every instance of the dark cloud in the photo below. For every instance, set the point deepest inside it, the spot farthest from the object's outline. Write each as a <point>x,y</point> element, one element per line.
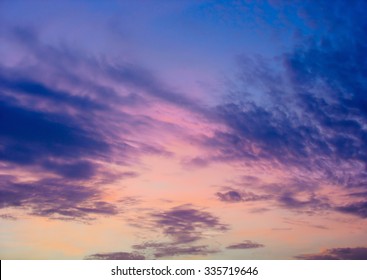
<point>131,76</point>
<point>115,256</point>
<point>260,134</point>
<point>237,196</point>
<point>316,107</point>
<point>186,224</point>
<point>54,199</point>
<point>31,138</point>
<point>304,111</point>
<point>230,196</point>
<point>357,209</point>
<point>247,244</point>
<point>287,200</point>
<point>358,194</point>
<point>57,120</point>
<point>184,227</point>
<point>296,195</point>
<point>24,87</point>
<point>47,132</point>
<point>154,250</point>
<point>72,170</point>
<point>358,253</point>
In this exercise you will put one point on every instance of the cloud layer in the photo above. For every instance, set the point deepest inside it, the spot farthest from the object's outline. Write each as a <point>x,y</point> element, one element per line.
<point>358,253</point>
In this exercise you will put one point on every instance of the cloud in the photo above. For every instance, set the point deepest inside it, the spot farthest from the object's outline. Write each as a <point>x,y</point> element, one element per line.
<point>314,203</point>
<point>8,217</point>
<point>27,87</point>
<point>167,249</point>
<point>54,199</point>
<point>178,251</point>
<point>115,256</point>
<point>358,209</point>
<point>155,250</point>
<point>131,76</point>
<point>358,194</point>
<point>296,195</point>
<point>299,195</point>
<point>196,162</point>
<point>65,119</point>
<point>316,107</point>
<point>72,170</point>
<point>237,196</point>
<point>230,196</point>
<point>357,253</point>
<point>185,227</point>
<point>29,137</point>
<point>142,79</point>
<point>65,109</point>
<point>247,244</point>
<point>186,224</point>
<point>302,112</point>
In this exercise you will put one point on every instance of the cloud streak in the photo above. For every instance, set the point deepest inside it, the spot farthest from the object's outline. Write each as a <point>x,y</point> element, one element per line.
<point>357,253</point>
<point>186,224</point>
<point>115,256</point>
<point>247,244</point>
<point>234,196</point>
<point>55,199</point>
<point>186,228</point>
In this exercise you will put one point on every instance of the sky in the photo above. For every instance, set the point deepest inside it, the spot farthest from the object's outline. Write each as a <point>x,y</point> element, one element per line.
<point>201,129</point>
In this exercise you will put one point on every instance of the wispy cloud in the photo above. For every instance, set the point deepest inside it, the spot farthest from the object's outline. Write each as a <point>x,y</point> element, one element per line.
<point>115,256</point>
<point>247,244</point>
<point>186,224</point>
<point>357,208</point>
<point>185,227</point>
<point>357,253</point>
<point>238,196</point>
<point>166,249</point>
<point>133,123</point>
<point>55,199</point>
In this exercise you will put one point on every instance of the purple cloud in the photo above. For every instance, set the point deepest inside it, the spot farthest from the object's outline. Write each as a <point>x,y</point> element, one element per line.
<point>303,111</point>
<point>179,251</point>
<point>358,209</point>
<point>167,249</point>
<point>54,199</point>
<point>313,203</point>
<point>358,253</point>
<point>186,224</point>
<point>185,227</point>
<point>237,196</point>
<point>59,123</point>
<point>247,244</point>
<point>115,256</point>
<point>230,196</point>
